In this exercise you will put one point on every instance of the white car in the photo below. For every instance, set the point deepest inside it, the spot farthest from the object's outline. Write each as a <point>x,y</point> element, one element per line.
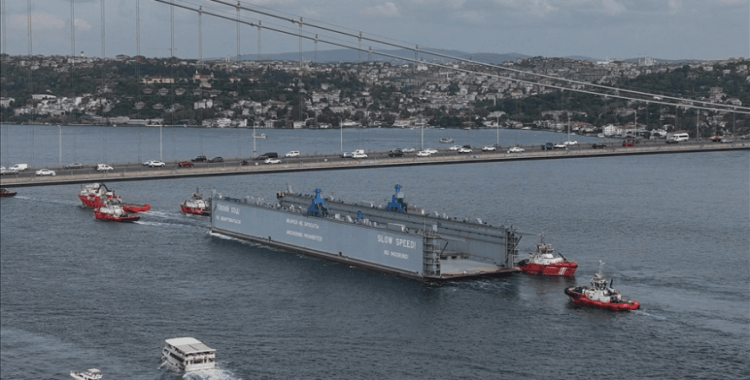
<point>154,164</point>
<point>103,168</point>
<point>423,153</point>
<point>430,151</point>
<point>408,150</point>
<point>464,150</point>
<point>515,149</point>
<point>455,147</point>
<point>294,153</point>
<point>560,146</point>
<point>358,155</point>
<point>489,148</point>
<point>570,142</point>
<point>272,161</point>
<point>45,172</point>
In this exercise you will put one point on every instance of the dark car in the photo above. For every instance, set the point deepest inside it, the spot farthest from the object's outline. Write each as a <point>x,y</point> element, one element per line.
<point>548,146</point>
<point>217,159</point>
<point>271,155</point>
<point>396,153</point>
<point>74,166</point>
<point>598,145</point>
<point>199,158</point>
<point>185,164</point>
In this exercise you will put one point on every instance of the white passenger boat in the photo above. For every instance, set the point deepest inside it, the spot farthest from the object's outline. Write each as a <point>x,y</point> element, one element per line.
<point>188,354</point>
<point>89,374</point>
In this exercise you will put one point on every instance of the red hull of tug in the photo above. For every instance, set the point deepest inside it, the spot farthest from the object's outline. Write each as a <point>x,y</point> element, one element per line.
<point>112,218</point>
<point>555,269</point>
<point>91,201</point>
<point>194,211</point>
<point>581,300</point>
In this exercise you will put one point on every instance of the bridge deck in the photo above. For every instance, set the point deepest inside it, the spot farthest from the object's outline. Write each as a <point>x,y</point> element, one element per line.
<point>324,164</point>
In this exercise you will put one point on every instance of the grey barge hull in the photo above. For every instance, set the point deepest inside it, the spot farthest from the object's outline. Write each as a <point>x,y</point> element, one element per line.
<point>413,246</point>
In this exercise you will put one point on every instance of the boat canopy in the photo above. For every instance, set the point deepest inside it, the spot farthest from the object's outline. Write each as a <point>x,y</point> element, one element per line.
<point>189,345</point>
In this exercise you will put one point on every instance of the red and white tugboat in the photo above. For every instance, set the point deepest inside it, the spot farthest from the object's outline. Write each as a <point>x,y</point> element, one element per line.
<point>115,213</point>
<point>544,261</point>
<point>96,195</point>
<point>196,205</point>
<point>600,295</point>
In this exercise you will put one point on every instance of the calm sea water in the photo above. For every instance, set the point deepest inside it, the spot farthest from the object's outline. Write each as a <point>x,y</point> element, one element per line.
<point>674,231</point>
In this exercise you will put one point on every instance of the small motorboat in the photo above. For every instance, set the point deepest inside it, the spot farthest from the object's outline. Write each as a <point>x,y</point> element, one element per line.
<point>446,140</point>
<point>546,262</point>
<point>260,136</point>
<point>89,374</point>
<point>600,295</point>
<point>115,213</point>
<point>7,193</point>
<point>196,205</point>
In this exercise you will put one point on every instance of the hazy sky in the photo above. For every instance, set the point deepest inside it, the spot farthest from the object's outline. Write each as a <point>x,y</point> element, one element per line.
<point>669,29</point>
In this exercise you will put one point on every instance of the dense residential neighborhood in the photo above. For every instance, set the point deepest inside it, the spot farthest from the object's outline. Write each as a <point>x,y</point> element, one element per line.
<point>287,94</point>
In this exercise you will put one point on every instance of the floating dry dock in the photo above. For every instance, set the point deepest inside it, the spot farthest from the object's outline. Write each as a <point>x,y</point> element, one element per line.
<point>397,239</point>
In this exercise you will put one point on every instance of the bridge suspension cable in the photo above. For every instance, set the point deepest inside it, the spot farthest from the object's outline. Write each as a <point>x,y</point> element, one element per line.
<point>416,49</point>
<point>655,99</point>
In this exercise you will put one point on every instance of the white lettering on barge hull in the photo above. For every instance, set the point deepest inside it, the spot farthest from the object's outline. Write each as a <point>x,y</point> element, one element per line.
<point>406,243</point>
<point>303,235</point>
<point>225,208</point>
<point>302,223</point>
<point>396,254</point>
<point>229,220</point>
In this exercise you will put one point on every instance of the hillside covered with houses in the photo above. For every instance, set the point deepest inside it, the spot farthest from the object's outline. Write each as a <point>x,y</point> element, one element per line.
<point>285,94</point>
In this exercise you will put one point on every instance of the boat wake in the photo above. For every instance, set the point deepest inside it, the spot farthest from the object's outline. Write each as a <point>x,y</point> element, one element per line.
<point>45,200</point>
<point>657,317</point>
<point>159,224</point>
<point>211,374</point>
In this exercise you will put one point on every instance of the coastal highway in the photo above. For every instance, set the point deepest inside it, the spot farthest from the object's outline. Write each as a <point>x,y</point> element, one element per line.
<point>334,161</point>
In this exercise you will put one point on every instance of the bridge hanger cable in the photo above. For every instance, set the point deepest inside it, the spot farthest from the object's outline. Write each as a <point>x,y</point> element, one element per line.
<point>360,36</point>
<point>370,51</point>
